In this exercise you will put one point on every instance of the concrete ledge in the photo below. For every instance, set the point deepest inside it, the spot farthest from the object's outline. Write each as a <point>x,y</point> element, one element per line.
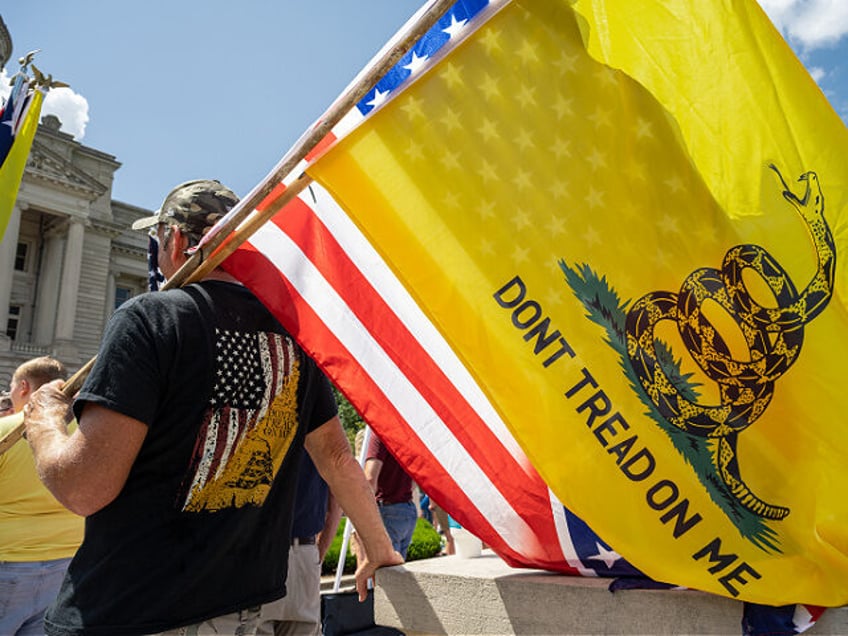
<point>450,595</point>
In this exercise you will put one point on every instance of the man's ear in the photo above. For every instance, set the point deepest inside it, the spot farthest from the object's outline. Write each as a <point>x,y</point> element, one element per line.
<point>179,243</point>
<point>26,388</point>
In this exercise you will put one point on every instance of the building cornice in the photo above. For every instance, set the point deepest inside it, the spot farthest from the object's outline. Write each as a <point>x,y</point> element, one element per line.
<point>111,230</point>
<point>50,126</point>
<point>45,165</point>
<point>129,250</point>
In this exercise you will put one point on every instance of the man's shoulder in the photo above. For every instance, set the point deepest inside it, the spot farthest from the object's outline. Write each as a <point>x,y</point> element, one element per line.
<point>216,303</point>
<point>153,301</point>
<point>149,299</point>
<point>155,312</point>
<point>10,422</point>
<point>190,294</point>
<point>376,448</point>
<point>222,291</point>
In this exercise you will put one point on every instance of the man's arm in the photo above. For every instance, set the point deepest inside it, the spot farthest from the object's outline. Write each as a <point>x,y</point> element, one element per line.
<point>329,449</point>
<point>85,470</point>
<point>372,469</point>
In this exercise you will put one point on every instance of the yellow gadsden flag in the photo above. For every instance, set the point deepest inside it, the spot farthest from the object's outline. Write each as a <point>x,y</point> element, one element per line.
<point>628,218</point>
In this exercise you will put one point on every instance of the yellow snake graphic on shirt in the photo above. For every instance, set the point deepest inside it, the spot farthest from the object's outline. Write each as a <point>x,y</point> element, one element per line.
<point>249,425</point>
<point>707,434</point>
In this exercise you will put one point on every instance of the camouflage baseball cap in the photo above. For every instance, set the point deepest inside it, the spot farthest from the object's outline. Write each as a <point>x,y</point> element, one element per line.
<point>193,206</point>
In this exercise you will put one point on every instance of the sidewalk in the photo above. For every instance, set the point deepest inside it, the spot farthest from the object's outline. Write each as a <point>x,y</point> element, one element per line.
<point>327,582</point>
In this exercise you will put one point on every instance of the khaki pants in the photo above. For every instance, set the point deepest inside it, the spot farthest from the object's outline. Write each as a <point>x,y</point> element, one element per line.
<point>243,623</point>
<point>299,612</point>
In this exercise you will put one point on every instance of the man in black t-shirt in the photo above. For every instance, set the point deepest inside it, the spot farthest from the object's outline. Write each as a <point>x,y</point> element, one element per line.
<point>191,429</point>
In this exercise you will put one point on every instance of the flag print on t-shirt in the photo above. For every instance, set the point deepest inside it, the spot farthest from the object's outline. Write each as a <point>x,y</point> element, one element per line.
<point>249,425</point>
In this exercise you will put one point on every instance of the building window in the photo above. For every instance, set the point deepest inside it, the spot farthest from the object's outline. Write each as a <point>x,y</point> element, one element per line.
<point>21,257</point>
<point>14,321</point>
<point>122,295</point>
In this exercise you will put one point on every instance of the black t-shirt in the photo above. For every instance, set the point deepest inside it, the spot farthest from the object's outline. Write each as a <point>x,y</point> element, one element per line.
<point>201,527</point>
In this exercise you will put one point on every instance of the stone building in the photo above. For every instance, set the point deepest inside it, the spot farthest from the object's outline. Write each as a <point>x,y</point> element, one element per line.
<point>67,258</point>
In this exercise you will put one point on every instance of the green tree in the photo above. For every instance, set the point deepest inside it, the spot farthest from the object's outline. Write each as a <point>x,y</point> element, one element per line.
<point>352,421</point>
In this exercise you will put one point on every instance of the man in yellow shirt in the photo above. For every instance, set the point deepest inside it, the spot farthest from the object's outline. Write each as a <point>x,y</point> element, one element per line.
<point>38,536</point>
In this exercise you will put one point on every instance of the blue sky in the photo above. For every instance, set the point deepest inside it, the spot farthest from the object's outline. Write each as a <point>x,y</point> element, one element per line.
<point>182,89</point>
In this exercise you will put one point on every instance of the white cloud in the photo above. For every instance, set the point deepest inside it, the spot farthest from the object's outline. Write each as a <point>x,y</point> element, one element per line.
<point>818,73</point>
<point>71,108</point>
<point>811,24</point>
<point>5,89</point>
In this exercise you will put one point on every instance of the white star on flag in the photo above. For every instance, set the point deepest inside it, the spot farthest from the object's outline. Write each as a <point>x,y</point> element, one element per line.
<point>416,63</point>
<point>455,26</point>
<point>609,557</point>
<point>379,98</point>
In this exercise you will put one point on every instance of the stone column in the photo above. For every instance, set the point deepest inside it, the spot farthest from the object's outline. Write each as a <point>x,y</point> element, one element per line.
<point>8,249</point>
<point>66,312</point>
<point>110,297</point>
<point>46,303</point>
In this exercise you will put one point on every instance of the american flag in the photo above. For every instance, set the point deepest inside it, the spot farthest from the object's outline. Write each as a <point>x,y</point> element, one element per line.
<point>154,276</point>
<point>315,270</point>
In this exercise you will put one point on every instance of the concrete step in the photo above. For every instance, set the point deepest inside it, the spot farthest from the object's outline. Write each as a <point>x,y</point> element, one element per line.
<point>483,595</point>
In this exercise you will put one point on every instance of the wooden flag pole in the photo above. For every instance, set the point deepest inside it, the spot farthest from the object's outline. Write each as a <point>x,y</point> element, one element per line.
<point>250,226</point>
<point>316,134</point>
<point>201,269</point>
<point>225,236</point>
<point>74,383</point>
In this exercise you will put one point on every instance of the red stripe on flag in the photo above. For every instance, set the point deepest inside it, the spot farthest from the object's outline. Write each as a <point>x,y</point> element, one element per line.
<point>322,145</point>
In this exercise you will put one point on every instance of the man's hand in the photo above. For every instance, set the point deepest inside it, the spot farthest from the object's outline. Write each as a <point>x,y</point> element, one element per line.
<point>87,468</point>
<point>366,569</point>
<point>47,412</point>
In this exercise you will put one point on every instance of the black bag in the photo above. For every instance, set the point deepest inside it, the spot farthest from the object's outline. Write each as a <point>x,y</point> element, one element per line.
<point>343,615</point>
